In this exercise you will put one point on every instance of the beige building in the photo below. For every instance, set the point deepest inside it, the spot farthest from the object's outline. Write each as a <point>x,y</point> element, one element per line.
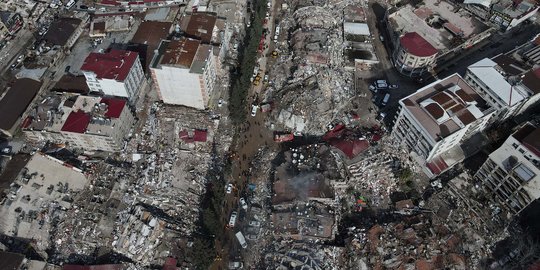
<point>184,72</point>
<point>89,123</point>
<point>511,174</point>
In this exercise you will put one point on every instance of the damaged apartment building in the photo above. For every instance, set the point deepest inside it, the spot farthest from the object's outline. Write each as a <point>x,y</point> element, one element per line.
<point>510,177</point>
<point>184,68</point>
<point>442,122</point>
<point>85,122</point>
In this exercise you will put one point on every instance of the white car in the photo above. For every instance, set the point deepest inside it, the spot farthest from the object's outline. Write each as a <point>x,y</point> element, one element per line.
<point>243,204</point>
<point>254,109</point>
<point>229,188</point>
<point>232,220</point>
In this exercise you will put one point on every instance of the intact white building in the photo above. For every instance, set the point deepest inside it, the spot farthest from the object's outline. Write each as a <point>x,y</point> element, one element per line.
<point>511,174</point>
<point>116,73</point>
<point>184,72</point>
<point>506,84</point>
<point>439,124</point>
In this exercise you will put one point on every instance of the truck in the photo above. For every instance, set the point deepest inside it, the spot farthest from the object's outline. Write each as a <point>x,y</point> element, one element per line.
<point>241,239</point>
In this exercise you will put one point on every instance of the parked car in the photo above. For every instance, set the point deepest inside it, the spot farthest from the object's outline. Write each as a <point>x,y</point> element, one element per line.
<point>254,109</point>
<point>381,116</point>
<point>232,220</point>
<point>385,99</point>
<point>393,86</point>
<point>229,188</point>
<point>243,204</point>
<point>67,69</point>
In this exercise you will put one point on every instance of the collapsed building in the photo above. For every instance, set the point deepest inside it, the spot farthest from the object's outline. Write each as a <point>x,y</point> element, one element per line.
<point>309,78</point>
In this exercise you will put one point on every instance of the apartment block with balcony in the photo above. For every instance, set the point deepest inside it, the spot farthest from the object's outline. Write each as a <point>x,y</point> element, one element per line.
<point>440,124</point>
<point>511,175</point>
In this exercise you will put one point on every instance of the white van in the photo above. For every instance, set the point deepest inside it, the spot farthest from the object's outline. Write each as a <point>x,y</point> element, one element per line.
<point>385,99</point>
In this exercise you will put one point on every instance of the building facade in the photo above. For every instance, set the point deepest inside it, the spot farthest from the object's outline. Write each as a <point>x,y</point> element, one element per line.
<point>184,72</point>
<point>414,55</point>
<point>511,175</point>
<point>115,73</point>
<point>438,124</point>
<point>89,123</point>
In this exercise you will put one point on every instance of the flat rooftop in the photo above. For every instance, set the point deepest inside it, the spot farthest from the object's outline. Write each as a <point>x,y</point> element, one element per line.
<point>496,79</point>
<point>445,106</point>
<point>61,30</point>
<point>14,103</point>
<point>438,22</point>
<point>183,53</point>
<point>151,33</point>
<point>43,180</point>
<point>78,114</point>
<point>114,64</point>
<point>199,25</point>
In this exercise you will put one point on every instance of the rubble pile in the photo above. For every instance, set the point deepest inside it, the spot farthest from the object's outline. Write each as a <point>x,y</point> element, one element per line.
<point>290,254</point>
<point>165,196</point>
<point>310,82</point>
<point>374,177</point>
<point>412,243</point>
<point>89,223</point>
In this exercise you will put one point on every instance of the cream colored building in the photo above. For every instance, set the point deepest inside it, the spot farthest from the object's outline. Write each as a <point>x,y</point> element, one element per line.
<point>184,72</point>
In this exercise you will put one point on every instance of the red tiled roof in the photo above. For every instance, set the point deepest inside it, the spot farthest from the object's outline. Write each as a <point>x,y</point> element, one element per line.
<point>76,122</point>
<point>115,106</point>
<point>196,136</point>
<point>115,64</point>
<point>415,44</point>
<point>200,135</point>
<point>350,148</point>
